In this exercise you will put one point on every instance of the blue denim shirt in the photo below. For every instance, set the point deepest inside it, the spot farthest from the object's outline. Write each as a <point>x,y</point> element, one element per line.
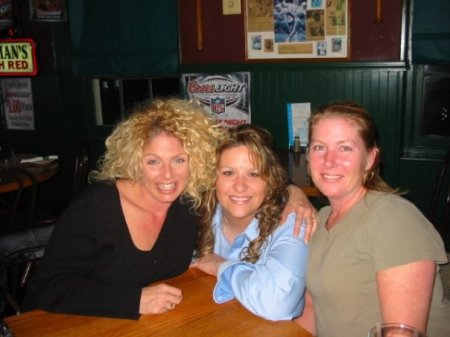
<point>274,286</point>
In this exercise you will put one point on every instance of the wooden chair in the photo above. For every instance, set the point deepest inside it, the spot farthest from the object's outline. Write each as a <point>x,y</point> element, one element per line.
<point>9,202</point>
<point>439,213</point>
<point>82,166</point>
<point>20,208</point>
<point>89,150</point>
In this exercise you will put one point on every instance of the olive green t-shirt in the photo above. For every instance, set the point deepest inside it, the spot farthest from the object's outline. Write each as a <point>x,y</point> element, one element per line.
<point>381,231</point>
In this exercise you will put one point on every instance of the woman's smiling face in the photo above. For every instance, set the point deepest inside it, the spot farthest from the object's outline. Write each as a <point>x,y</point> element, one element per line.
<point>338,158</point>
<point>239,186</point>
<point>165,168</point>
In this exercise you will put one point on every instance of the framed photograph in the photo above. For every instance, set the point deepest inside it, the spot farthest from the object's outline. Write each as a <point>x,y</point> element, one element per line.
<point>47,10</point>
<point>297,29</point>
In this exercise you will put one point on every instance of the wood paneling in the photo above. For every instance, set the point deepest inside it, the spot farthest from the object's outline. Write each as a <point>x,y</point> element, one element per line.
<point>378,89</point>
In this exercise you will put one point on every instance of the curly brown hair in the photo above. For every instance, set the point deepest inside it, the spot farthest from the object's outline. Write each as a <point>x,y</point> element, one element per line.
<point>186,120</point>
<point>259,143</point>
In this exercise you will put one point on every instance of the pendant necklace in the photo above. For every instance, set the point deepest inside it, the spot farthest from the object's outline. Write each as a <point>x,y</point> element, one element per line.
<point>225,222</point>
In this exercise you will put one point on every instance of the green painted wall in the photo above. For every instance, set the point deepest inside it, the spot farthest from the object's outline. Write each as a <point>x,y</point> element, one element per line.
<point>390,91</point>
<point>378,87</point>
<point>64,113</point>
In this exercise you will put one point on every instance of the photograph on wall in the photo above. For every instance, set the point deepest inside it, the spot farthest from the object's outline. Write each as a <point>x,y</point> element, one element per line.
<point>297,29</point>
<point>224,96</point>
<point>17,103</point>
<point>47,10</point>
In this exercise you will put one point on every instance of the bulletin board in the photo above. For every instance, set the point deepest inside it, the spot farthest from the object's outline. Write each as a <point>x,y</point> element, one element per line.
<point>297,29</point>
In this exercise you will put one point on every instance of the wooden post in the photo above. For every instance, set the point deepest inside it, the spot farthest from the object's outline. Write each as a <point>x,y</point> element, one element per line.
<point>378,16</point>
<point>199,23</point>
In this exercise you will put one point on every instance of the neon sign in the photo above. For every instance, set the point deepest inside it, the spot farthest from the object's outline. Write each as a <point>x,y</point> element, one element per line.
<point>17,57</point>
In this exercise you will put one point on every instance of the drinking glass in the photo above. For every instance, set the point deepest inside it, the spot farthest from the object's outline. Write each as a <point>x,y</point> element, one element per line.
<point>395,330</point>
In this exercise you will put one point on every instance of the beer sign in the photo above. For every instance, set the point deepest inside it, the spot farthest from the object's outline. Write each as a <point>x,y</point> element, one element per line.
<point>224,96</point>
<point>17,57</point>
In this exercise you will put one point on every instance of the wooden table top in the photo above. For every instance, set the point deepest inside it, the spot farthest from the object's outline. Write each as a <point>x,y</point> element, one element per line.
<point>197,315</point>
<point>41,171</point>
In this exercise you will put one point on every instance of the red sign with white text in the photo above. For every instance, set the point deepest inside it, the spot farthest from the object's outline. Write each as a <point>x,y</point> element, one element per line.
<point>17,57</point>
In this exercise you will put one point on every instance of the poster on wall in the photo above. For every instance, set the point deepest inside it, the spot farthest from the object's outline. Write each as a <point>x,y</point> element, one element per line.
<point>298,115</point>
<point>18,103</point>
<point>297,29</point>
<point>224,96</point>
<point>47,10</point>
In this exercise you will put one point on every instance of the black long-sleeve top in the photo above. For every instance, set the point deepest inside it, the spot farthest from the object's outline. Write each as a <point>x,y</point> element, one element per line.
<point>91,265</point>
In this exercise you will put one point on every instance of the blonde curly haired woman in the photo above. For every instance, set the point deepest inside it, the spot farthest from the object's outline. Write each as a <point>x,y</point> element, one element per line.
<point>135,225</point>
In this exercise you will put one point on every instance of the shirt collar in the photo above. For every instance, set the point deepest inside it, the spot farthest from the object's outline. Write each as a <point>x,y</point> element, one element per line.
<point>251,232</point>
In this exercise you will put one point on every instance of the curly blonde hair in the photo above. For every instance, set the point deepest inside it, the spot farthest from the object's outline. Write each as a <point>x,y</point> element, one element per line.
<point>186,120</point>
<point>259,143</point>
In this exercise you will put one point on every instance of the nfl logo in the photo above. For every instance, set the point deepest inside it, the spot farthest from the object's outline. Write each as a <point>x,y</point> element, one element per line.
<point>218,105</point>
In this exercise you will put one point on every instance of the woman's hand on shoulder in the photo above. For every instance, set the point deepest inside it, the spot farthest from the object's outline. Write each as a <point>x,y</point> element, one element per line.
<point>209,263</point>
<point>299,203</point>
<point>160,298</point>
